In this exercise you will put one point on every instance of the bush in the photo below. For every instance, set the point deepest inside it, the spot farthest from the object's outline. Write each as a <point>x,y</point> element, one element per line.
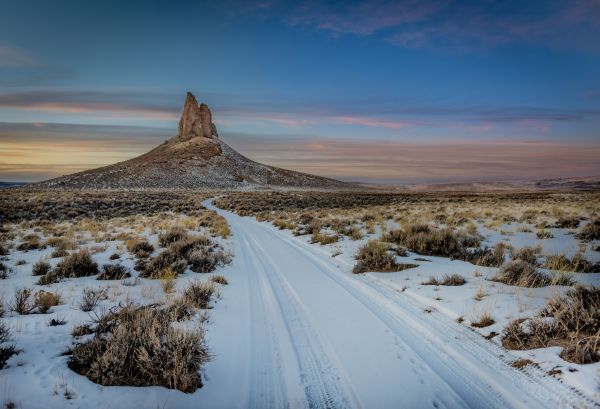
<point>6,351</point>
<point>426,240</point>
<point>22,302</point>
<point>577,264</point>
<point>5,271</point>
<point>138,346</point>
<point>527,254</point>
<point>522,274</point>
<point>78,264</point>
<point>199,294</point>
<point>449,280</point>
<point>40,268</point>
<point>171,236</point>
<point>44,300</point>
<point>219,279</point>
<point>31,242</point>
<point>374,256</point>
<point>206,259</point>
<point>91,298</point>
<point>590,231</point>
<point>486,257</point>
<point>544,234</point>
<point>323,239</point>
<point>572,320</point>
<point>114,272</point>
<point>139,248</point>
<point>567,222</point>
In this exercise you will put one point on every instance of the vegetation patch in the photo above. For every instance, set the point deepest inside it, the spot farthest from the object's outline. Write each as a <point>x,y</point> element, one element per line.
<point>139,346</point>
<point>571,321</point>
<point>374,256</point>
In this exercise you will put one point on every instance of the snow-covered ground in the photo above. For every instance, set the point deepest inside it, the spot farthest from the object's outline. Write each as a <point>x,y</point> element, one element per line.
<point>294,328</point>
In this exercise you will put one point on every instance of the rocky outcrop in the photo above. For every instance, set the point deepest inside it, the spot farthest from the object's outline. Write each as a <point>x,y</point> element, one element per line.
<point>196,120</point>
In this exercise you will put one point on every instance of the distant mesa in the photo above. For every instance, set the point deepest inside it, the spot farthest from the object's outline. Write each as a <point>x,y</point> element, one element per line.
<point>195,158</point>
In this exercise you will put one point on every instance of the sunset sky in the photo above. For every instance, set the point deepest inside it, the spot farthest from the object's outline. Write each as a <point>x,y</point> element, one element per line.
<point>376,91</point>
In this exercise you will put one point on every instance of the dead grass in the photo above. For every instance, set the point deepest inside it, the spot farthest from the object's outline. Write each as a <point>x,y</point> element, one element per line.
<point>522,274</point>
<point>114,272</point>
<point>199,294</point>
<point>484,320</point>
<point>374,256</point>
<point>590,231</point>
<point>138,346</point>
<point>448,280</point>
<point>571,321</point>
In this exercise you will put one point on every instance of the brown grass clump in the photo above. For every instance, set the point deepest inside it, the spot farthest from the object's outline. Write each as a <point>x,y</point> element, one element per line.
<point>44,300</point>
<point>139,248</point>
<point>448,280</point>
<point>522,274</point>
<point>426,240</point>
<point>40,268</point>
<point>374,256</point>
<point>171,236</point>
<point>567,222</point>
<point>527,254</point>
<point>199,294</point>
<point>31,242</point>
<point>219,279</point>
<point>323,239</point>
<point>138,346</point>
<point>590,231</point>
<point>571,321</point>
<point>577,264</point>
<point>114,272</point>
<point>5,271</point>
<point>78,264</point>
<point>486,257</point>
<point>484,320</point>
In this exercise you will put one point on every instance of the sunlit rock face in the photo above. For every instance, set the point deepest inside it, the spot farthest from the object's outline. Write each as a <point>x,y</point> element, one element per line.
<point>196,120</point>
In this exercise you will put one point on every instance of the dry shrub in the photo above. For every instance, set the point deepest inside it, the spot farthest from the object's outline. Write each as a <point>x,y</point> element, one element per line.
<point>44,300</point>
<point>40,268</point>
<point>374,256</point>
<point>427,240</point>
<point>31,242</point>
<point>78,264</point>
<point>114,272</point>
<point>6,350</point>
<point>138,346</point>
<point>91,298</point>
<point>219,279</point>
<point>139,247</point>
<point>323,239</point>
<point>448,279</point>
<point>571,321</point>
<point>484,320</point>
<point>527,254</point>
<point>567,222</point>
<point>486,257</point>
<point>200,253</point>
<point>199,294</point>
<point>577,264</point>
<point>590,231</point>
<point>172,235</point>
<point>5,271</point>
<point>22,303</point>
<point>522,274</point>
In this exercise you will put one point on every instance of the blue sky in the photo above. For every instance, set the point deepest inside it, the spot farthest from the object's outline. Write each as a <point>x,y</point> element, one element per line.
<point>400,92</point>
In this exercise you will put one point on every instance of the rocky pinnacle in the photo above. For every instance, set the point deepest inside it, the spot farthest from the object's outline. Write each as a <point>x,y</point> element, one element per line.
<point>196,120</point>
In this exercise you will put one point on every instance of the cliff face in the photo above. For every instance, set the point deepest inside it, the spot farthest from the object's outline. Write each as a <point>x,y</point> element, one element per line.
<point>196,120</point>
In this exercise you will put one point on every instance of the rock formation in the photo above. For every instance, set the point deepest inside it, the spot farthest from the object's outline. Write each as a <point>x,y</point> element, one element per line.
<point>196,120</point>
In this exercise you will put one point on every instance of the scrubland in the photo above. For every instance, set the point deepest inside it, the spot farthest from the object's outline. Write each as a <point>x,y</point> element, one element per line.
<point>521,268</point>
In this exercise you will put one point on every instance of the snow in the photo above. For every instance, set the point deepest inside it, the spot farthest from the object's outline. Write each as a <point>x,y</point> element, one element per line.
<point>294,328</point>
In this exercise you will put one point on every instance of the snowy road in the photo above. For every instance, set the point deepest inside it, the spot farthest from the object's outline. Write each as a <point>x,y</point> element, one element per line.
<point>298,331</point>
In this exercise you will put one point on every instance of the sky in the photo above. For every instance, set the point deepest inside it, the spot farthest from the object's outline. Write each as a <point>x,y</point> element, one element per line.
<point>429,91</point>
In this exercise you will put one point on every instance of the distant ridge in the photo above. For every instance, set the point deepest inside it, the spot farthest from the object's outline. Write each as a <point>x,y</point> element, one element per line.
<point>193,159</point>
